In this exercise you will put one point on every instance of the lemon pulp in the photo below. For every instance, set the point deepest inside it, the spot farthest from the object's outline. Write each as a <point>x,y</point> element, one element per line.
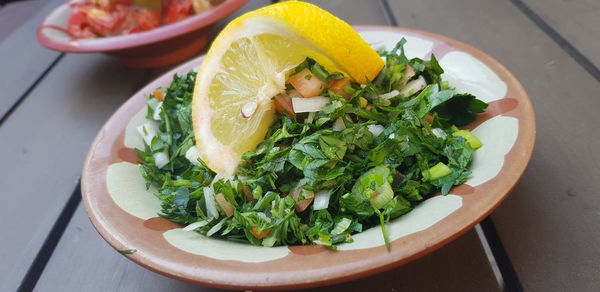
<point>248,63</point>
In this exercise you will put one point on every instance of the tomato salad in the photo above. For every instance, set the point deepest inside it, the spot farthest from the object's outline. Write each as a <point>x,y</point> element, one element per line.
<point>102,18</point>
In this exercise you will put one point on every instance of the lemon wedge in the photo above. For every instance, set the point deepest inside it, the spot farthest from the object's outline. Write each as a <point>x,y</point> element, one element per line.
<point>247,66</point>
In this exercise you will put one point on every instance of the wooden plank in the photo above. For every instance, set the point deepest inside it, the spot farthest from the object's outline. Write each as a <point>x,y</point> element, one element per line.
<point>461,264</point>
<point>575,20</point>
<point>354,12</point>
<point>549,225</point>
<point>84,262</point>
<point>44,144</point>
<point>23,59</point>
<point>13,15</point>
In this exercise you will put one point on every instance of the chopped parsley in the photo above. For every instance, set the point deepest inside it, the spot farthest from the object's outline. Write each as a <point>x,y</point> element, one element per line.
<point>366,159</point>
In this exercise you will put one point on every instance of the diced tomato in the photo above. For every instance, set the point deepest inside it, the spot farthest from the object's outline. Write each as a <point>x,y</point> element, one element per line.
<point>337,86</point>
<point>129,24</point>
<point>138,19</point>
<point>78,26</point>
<point>87,20</point>
<point>247,193</point>
<point>225,206</point>
<point>307,83</point>
<point>102,22</point>
<point>283,104</point>
<point>158,94</point>
<point>301,204</point>
<point>176,10</point>
<point>428,119</point>
<point>259,235</point>
<point>147,19</point>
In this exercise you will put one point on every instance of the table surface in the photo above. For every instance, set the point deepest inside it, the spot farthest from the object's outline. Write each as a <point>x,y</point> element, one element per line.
<point>544,237</point>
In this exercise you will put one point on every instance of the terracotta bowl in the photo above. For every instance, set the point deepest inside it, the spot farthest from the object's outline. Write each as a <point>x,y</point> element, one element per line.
<point>124,212</point>
<point>165,45</point>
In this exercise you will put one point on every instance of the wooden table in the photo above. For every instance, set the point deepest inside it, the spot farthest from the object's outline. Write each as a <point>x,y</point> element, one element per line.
<point>545,237</point>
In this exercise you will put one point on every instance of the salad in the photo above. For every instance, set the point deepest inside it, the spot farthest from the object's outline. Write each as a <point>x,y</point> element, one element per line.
<point>101,18</point>
<point>338,159</point>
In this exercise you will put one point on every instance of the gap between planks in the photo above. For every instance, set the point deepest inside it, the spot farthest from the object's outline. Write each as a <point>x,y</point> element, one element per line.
<point>43,256</point>
<point>31,88</point>
<point>571,50</point>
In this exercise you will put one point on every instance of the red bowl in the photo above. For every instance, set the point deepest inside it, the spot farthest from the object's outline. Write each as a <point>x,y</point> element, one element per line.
<point>164,45</point>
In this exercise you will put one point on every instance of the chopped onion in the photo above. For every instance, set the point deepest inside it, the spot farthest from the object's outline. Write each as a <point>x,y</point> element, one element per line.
<point>375,129</point>
<point>339,124</point>
<point>392,136</point>
<point>310,118</point>
<point>153,103</point>
<point>157,111</point>
<point>341,226</point>
<point>322,200</point>
<point>209,200</point>
<point>413,86</point>
<point>438,132</point>
<point>383,195</point>
<point>148,131</point>
<point>269,241</point>
<point>193,155</point>
<point>248,109</point>
<point>225,206</point>
<point>216,228</point>
<point>390,94</point>
<point>161,159</point>
<point>307,105</point>
<point>263,216</point>
<point>196,225</point>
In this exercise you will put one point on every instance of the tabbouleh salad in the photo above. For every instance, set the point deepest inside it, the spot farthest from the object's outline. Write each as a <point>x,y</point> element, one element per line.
<point>351,158</point>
